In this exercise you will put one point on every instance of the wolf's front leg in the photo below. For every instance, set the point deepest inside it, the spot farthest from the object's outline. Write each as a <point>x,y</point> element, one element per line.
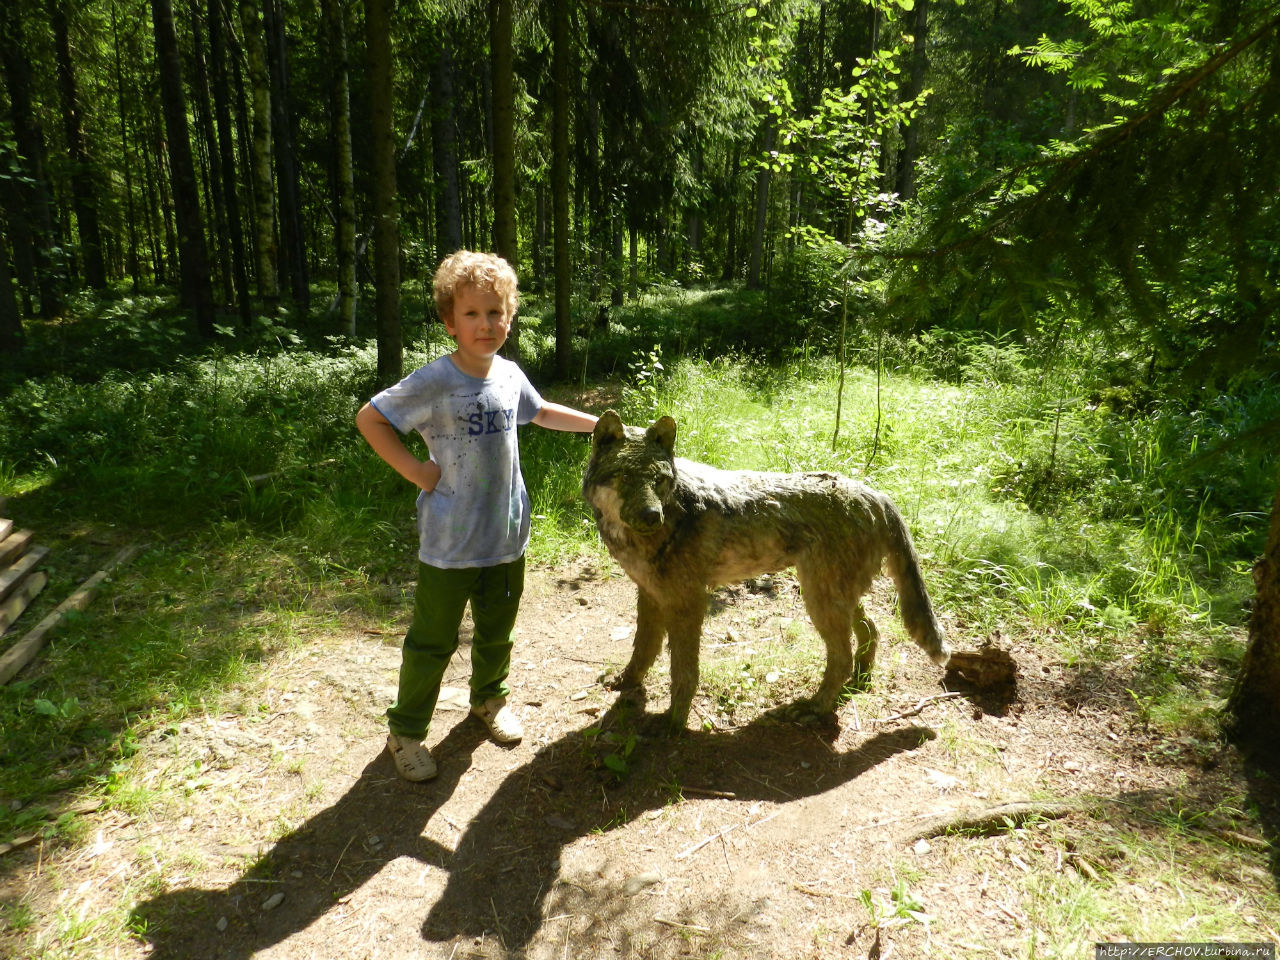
<point>685,627</point>
<point>647,644</point>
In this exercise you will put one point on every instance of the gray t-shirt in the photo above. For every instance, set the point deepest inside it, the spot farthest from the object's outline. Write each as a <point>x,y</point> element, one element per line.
<point>478,515</point>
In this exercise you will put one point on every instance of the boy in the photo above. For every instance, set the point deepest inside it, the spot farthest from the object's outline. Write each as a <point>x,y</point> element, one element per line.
<point>473,510</point>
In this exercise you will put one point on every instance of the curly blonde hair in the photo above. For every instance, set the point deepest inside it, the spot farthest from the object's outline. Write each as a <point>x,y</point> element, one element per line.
<point>485,271</point>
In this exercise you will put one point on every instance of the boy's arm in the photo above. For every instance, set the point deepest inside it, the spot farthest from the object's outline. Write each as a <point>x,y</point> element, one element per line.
<point>386,443</point>
<point>555,416</point>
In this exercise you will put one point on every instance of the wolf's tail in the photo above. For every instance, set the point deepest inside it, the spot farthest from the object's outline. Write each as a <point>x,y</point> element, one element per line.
<point>913,598</point>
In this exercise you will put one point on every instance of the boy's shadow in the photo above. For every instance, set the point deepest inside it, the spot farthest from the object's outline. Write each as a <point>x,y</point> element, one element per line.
<point>333,854</point>
<point>508,857</point>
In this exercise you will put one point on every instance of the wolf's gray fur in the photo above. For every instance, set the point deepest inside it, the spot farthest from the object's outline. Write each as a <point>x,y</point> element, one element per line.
<point>678,527</point>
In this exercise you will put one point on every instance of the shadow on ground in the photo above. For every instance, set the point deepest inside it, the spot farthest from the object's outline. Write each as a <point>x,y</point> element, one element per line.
<point>507,859</point>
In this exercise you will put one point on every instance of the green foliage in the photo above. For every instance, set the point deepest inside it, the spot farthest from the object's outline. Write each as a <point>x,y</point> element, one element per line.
<point>610,749</point>
<point>1151,224</point>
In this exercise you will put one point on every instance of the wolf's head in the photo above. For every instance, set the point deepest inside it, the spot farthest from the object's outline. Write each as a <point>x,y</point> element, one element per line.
<point>631,474</point>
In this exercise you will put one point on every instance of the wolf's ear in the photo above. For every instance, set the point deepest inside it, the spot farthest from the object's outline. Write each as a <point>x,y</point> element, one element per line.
<point>608,428</point>
<point>664,432</point>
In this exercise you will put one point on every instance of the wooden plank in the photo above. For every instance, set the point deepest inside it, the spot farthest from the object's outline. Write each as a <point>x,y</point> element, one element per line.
<point>10,578</point>
<point>25,650</point>
<point>29,589</point>
<point>14,546</point>
<point>5,526</point>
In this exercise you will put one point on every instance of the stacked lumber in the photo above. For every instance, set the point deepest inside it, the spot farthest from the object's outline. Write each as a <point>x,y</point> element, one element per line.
<point>20,579</point>
<point>21,582</point>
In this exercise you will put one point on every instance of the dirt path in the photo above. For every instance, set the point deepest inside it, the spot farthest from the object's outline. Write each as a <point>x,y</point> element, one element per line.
<point>288,834</point>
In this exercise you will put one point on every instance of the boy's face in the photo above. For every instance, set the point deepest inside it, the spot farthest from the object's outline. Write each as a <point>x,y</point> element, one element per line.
<point>480,324</point>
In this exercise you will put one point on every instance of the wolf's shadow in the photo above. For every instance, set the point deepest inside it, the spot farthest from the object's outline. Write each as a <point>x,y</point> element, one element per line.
<point>508,857</point>
<point>566,792</point>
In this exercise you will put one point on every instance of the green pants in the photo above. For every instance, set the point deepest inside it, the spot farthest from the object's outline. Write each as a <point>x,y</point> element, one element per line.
<point>438,605</point>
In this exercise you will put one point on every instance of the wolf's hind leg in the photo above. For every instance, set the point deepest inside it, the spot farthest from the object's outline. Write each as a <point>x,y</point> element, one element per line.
<point>868,640</point>
<point>650,629</point>
<point>834,618</point>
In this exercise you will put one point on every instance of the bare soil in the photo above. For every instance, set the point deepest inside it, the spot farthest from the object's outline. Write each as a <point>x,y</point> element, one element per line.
<point>285,832</point>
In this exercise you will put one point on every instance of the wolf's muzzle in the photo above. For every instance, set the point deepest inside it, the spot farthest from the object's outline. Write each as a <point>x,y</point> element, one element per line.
<point>647,520</point>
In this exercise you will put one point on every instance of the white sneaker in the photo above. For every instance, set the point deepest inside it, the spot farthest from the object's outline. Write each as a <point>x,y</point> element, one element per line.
<point>411,757</point>
<point>500,719</point>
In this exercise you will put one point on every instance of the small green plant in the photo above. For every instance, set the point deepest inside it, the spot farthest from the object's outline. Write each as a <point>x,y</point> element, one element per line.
<point>900,908</point>
<point>611,749</point>
<point>64,710</point>
<point>17,917</point>
<point>642,395</point>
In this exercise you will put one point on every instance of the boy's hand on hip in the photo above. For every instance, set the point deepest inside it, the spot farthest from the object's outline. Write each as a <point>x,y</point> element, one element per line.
<point>428,475</point>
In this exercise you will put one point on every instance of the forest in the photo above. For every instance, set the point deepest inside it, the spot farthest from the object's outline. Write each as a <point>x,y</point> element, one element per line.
<point>1016,262</point>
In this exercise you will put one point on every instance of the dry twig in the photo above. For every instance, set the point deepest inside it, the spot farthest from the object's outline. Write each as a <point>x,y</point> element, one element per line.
<point>937,697</point>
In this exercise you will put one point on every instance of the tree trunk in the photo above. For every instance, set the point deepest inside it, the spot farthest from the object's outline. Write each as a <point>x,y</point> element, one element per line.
<point>289,202</point>
<point>730,270</point>
<point>218,25</point>
<point>386,218</point>
<point>911,132</point>
<point>83,180</point>
<point>504,146</point>
<point>560,181</point>
<point>590,172</point>
<point>756,259</point>
<point>193,266</point>
<point>35,209</point>
<point>18,230</point>
<point>345,219</point>
<point>214,188</point>
<point>633,256</point>
<point>504,157</point>
<point>540,236</point>
<point>130,220</point>
<point>10,318</point>
<point>1254,706</point>
<point>444,155</point>
<point>260,163</point>
<point>693,216</point>
<point>617,293</point>
<point>151,200</point>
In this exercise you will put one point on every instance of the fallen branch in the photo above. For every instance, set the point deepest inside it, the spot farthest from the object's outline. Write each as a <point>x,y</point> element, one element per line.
<point>260,479</point>
<point>705,792</point>
<point>995,819</point>
<point>690,851</point>
<point>1238,839</point>
<point>1083,867</point>
<point>937,697</point>
<point>692,927</point>
<point>25,650</point>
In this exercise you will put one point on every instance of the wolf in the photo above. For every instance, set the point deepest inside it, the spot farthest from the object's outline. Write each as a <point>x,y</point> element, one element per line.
<point>678,528</point>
